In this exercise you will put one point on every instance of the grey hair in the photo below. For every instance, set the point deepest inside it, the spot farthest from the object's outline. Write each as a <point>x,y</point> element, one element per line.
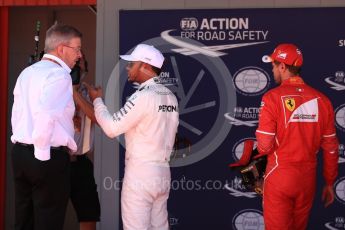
<point>59,34</point>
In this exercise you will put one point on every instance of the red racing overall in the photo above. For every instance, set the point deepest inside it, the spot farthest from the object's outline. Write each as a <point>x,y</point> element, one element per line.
<point>295,121</point>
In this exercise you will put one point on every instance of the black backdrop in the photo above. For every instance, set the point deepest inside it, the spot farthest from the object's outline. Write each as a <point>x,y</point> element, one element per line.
<point>213,64</point>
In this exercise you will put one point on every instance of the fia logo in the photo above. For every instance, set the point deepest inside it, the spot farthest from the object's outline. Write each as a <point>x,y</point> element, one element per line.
<point>340,117</point>
<point>251,81</point>
<point>243,116</point>
<point>189,23</point>
<point>339,188</point>
<point>248,219</point>
<point>338,81</point>
<point>338,223</point>
<point>238,147</point>
<point>236,189</point>
<point>341,153</point>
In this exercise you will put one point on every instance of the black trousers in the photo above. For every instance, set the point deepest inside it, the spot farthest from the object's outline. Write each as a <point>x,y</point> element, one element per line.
<point>41,189</point>
<point>84,195</point>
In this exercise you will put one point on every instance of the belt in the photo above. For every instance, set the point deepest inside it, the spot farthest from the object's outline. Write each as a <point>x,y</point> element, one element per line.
<point>31,146</point>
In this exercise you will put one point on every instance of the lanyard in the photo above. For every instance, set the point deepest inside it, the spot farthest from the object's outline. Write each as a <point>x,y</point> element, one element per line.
<point>52,60</point>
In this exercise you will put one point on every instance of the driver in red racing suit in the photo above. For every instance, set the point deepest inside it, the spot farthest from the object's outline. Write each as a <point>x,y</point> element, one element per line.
<point>295,121</point>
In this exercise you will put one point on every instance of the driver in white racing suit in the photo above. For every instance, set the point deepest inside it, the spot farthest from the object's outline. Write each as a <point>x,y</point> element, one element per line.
<point>149,120</point>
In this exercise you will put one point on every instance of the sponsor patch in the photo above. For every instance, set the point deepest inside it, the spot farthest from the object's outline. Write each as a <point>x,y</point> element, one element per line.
<point>290,104</point>
<point>167,108</point>
<point>300,112</point>
<point>282,55</point>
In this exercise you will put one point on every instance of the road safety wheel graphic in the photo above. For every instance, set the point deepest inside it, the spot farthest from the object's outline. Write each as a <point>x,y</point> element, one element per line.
<point>203,86</point>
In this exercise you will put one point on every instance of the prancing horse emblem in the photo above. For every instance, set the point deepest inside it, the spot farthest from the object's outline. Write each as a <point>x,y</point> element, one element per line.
<point>290,104</point>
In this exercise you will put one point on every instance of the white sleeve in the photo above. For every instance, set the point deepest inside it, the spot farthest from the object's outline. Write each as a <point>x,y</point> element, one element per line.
<point>123,120</point>
<point>56,94</point>
<point>16,108</point>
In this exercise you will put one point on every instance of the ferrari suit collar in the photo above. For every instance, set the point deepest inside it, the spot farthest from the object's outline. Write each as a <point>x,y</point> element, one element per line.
<point>295,80</point>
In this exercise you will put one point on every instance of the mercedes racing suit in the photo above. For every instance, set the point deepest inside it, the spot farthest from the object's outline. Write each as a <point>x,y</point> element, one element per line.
<point>149,120</point>
<point>295,121</point>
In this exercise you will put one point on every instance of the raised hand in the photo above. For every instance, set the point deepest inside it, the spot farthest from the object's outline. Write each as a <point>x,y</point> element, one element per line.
<point>94,92</point>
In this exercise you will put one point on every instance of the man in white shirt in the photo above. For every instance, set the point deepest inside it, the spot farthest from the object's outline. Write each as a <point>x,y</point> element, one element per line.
<point>43,132</point>
<point>149,120</point>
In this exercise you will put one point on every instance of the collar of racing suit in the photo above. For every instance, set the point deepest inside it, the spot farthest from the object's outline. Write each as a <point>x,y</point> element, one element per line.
<point>150,81</point>
<point>296,80</point>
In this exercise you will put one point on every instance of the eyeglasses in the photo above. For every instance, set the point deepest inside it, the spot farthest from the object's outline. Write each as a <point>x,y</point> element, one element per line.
<point>132,63</point>
<point>76,49</point>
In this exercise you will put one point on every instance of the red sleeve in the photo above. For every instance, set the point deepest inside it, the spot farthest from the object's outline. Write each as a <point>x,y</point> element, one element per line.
<point>330,145</point>
<point>266,130</point>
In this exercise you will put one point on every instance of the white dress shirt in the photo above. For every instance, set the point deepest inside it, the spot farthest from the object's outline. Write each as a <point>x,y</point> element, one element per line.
<point>149,120</point>
<point>43,107</point>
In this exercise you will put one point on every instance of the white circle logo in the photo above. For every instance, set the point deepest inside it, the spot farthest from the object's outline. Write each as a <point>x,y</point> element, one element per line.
<point>237,150</point>
<point>249,219</point>
<point>340,117</point>
<point>340,190</point>
<point>251,81</point>
<point>199,138</point>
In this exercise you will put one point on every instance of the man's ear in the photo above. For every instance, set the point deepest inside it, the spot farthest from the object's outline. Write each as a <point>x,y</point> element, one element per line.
<point>282,66</point>
<point>59,50</point>
<point>143,68</point>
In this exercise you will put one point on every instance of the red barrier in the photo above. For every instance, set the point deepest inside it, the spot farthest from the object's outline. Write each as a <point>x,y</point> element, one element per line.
<point>46,2</point>
<point>3,108</point>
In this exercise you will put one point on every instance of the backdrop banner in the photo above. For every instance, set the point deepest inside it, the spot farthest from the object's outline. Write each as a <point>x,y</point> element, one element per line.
<point>213,63</point>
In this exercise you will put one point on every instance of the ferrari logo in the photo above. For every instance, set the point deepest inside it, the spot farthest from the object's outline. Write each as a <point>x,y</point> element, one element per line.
<point>290,104</point>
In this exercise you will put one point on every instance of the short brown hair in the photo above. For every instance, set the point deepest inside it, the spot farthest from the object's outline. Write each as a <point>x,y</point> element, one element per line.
<point>296,70</point>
